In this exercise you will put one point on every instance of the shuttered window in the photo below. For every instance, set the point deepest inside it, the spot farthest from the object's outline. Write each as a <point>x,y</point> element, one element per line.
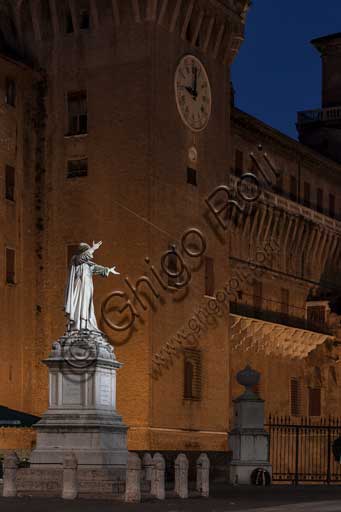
<point>306,191</point>
<point>284,301</point>
<point>316,315</point>
<point>319,200</point>
<point>295,397</point>
<point>10,266</point>
<point>257,294</point>
<point>77,168</point>
<point>293,188</point>
<point>279,183</point>
<point>331,205</point>
<point>78,113</point>
<point>192,374</point>
<point>9,182</point>
<point>11,92</point>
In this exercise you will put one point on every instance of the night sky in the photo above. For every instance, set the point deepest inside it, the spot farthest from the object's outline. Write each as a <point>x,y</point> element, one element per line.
<point>277,71</point>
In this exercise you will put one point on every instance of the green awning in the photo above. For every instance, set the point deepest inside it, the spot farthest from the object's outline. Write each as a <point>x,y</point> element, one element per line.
<point>12,418</point>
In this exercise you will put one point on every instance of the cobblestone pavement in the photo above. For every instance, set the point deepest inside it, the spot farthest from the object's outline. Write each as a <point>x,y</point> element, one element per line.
<point>224,499</point>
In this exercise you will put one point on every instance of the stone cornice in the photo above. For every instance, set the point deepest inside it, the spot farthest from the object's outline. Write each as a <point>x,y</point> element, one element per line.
<point>242,121</point>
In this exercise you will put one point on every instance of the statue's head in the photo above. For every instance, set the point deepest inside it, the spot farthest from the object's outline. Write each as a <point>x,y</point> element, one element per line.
<point>84,248</point>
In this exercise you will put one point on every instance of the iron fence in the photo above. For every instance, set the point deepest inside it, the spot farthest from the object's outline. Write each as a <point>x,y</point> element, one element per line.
<point>301,450</point>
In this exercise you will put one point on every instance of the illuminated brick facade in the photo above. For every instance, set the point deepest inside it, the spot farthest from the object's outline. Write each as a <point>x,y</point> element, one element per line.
<point>108,157</point>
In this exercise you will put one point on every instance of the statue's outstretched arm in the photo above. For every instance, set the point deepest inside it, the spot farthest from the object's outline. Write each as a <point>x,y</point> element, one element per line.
<point>103,271</point>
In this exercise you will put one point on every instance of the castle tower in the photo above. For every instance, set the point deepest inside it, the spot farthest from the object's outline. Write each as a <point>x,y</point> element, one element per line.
<point>127,148</point>
<point>320,128</point>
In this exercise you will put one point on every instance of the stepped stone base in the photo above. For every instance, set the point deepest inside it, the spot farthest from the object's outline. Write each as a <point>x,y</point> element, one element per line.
<point>81,421</point>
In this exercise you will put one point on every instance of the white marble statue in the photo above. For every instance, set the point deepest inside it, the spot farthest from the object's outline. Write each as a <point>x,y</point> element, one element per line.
<point>79,305</point>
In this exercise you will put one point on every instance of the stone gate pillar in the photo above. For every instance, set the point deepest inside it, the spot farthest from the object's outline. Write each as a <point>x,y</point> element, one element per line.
<point>248,440</point>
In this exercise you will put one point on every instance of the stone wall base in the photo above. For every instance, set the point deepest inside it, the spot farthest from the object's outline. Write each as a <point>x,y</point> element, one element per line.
<point>92,483</point>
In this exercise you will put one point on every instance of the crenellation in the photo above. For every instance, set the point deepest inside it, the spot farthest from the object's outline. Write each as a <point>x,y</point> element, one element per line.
<point>175,15</point>
<point>208,35</point>
<point>188,15</point>
<point>162,12</point>
<point>54,18</point>
<point>136,10</point>
<point>151,10</point>
<point>41,22</point>
<point>218,40</point>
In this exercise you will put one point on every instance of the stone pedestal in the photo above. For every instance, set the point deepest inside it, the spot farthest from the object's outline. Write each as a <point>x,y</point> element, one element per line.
<point>248,440</point>
<point>81,417</point>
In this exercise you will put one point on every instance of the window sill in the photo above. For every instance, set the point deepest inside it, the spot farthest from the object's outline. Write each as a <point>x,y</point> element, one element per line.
<point>75,136</point>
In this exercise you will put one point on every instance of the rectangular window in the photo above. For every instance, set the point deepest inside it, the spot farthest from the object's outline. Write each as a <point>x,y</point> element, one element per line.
<point>293,188</point>
<point>78,113</point>
<point>10,266</point>
<point>319,200</point>
<point>284,301</point>
<point>192,375</point>
<point>11,93</point>
<point>68,22</point>
<point>191,176</point>
<point>306,192</point>
<point>332,205</point>
<point>77,168</point>
<point>316,315</point>
<point>295,397</point>
<point>84,22</point>
<point>314,402</point>
<point>239,162</point>
<point>9,182</point>
<point>279,183</point>
<point>257,294</point>
<point>209,277</point>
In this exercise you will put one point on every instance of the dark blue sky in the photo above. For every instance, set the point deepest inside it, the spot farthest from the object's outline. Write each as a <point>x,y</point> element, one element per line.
<point>277,71</point>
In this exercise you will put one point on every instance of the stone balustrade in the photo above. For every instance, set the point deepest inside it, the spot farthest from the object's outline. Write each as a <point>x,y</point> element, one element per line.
<point>152,470</point>
<point>145,477</point>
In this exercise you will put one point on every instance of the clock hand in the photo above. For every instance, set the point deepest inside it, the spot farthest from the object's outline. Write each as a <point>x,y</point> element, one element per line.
<point>189,89</point>
<point>195,84</point>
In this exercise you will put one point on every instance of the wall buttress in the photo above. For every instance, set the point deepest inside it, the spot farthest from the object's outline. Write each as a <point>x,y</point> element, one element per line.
<point>208,34</point>
<point>175,15</point>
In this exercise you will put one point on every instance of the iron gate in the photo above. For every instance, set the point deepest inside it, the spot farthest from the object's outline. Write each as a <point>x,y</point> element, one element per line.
<point>302,451</point>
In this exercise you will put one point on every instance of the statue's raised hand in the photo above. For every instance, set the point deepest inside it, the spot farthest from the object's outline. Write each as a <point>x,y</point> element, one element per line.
<point>114,271</point>
<point>96,246</point>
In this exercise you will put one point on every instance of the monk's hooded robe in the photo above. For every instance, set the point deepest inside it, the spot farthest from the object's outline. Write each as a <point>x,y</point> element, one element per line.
<point>79,305</point>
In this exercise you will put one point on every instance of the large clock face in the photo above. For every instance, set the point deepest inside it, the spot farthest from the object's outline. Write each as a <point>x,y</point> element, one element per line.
<point>193,93</point>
